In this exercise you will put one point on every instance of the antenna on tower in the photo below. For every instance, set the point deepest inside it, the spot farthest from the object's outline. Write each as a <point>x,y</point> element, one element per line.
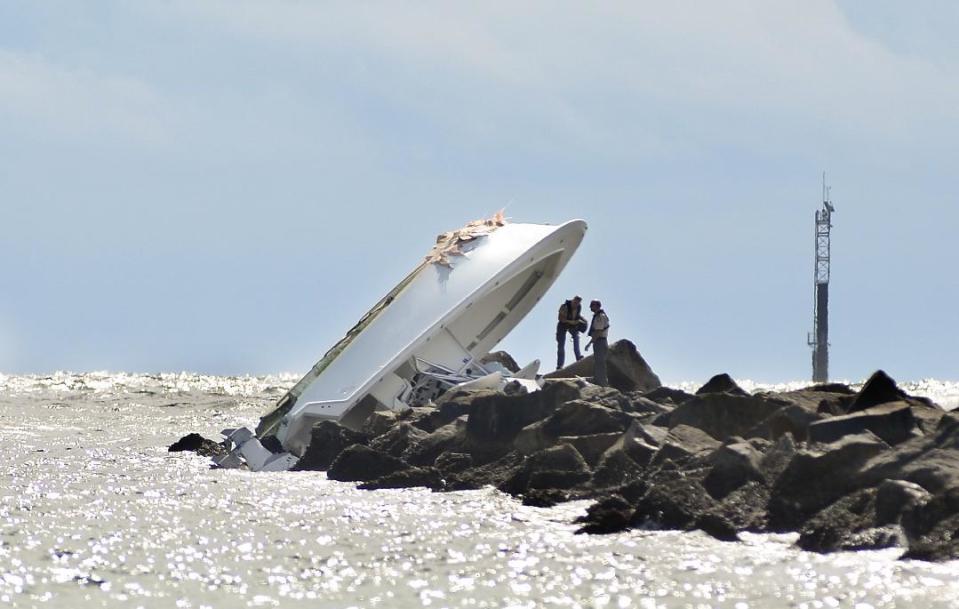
<point>818,339</point>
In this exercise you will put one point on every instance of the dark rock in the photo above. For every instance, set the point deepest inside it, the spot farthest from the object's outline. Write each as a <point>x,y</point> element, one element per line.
<point>791,419</point>
<point>327,440</point>
<point>933,528</point>
<point>544,498</point>
<point>617,468</point>
<point>673,503</point>
<point>816,478</point>
<point>360,463</point>
<point>745,507</point>
<point>451,462</point>
<point>879,389</point>
<point>593,446</point>
<point>733,466</point>
<point>495,420</point>
<point>895,497</point>
<point>777,457</point>
<point>626,369</point>
<point>722,383</point>
<point>426,450</point>
<point>892,422</point>
<point>717,527</point>
<point>578,417</point>
<point>667,395</point>
<point>399,439</point>
<point>608,515</point>
<point>558,467</point>
<point>502,358</point>
<point>684,443</point>
<point>830,530</point>
<point>650,434</point>
<point>515,388</point>
<point>723,414</point>
<point>409,477</point>
<point>196,443</point>
<point>493,473</point>
<point>379,422</point>
<point>645,406</point>
<point>931,461</point>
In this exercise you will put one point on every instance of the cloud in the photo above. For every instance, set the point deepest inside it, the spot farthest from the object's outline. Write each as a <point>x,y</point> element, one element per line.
<point>76,102</point>
<point>627,79</point>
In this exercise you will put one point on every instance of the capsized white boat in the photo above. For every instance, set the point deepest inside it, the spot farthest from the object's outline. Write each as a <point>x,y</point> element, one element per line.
<point>426,335</point>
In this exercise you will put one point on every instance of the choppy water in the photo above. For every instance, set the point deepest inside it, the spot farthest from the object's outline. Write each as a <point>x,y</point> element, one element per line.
<point>95,512</point>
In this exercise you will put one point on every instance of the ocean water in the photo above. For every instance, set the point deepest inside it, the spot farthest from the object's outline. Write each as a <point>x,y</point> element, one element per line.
<point>94,512</point>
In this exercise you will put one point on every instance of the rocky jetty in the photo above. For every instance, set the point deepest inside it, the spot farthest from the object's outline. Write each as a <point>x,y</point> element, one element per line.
<point>845,469</point>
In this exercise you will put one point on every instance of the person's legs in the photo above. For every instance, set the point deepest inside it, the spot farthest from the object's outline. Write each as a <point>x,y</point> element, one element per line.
<point>560,346</point>
<point>600,349</point>
<point>576,352</point>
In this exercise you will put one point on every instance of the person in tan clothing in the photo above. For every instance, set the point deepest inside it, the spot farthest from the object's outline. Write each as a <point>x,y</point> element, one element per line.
<point>598,333</point>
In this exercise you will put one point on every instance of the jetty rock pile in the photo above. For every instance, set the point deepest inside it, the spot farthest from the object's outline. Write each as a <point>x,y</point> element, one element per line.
<point>846,470</point>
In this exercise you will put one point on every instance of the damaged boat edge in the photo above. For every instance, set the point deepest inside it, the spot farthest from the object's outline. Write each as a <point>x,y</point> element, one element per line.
<point>425,337</point>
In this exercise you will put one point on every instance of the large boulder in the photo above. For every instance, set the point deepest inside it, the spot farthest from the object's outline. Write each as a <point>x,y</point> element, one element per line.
<point>722,383</point>
<point>931,461</point>
<point>401,438</point>
<point>878,389</point>
<point>495,420</point>
<point>592,446</point>
<point>849,524</point>
<point>817,477</point>
<point>733,465</point>
<point>196,443</point>
<point>932,526</point>
<point>327,440</point>
<point>684,444</point>
<point>626,369</point>
<point>892,422</point>
<point>559,467</point>
<point>448,438</point>
<point>608,515</point>
<point>408,477</point>
<point>360,463</point>
<point>666,396</point>
<point>723,415</point>
<point>574,418</point>
<point>492,473</point>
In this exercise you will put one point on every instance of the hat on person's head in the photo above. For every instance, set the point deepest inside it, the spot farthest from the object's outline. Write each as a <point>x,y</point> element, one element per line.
<point>596,302</point>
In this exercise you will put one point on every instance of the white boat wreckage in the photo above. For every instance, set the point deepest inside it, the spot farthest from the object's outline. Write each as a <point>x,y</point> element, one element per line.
<point>426,336</point>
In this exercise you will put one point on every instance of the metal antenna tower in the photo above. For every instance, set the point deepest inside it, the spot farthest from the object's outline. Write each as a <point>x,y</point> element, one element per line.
<point>819,338</point>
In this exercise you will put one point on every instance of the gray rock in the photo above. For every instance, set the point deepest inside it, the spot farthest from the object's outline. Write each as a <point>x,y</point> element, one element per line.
<point>722,383</point>
<point>626,369</point>
<point>360,463</point>
<point>723,414</point>
<point>892,422</point>
<point>327,440</point>
<point>448,438</point>
<point>593,446</point>
<point>409,477</point>
<point>733,466</point>
<point>895,497</point>
<point>817,477</point>
<point>399,439</point>
<point>684,443</point>
<point>379,422</point>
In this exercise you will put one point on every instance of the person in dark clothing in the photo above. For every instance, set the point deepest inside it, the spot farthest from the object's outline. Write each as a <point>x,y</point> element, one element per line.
<point>598,333</point>
<point>569,321</point>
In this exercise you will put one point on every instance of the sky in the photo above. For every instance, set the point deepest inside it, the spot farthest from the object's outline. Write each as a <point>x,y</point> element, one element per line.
<point>226,186</point>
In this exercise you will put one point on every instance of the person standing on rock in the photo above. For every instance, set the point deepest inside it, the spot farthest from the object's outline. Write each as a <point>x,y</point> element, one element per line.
<point>569,321</point>
<point>598,333</point>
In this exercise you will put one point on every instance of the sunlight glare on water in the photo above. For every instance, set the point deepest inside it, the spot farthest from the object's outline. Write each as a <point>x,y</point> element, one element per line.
<point>95,512</point>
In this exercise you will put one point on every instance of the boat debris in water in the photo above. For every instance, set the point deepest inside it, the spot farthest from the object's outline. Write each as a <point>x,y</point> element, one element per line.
<point>425,337</point>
